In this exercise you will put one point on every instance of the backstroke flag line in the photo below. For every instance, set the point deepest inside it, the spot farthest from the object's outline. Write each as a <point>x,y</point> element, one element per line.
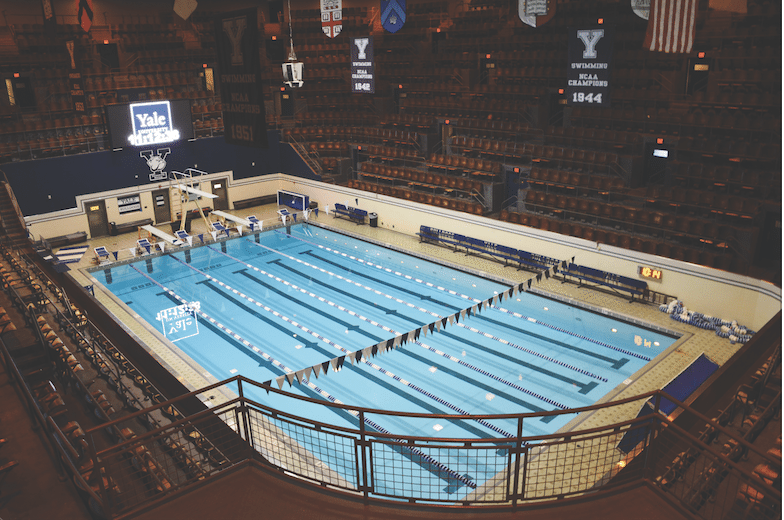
<point>671,26</point>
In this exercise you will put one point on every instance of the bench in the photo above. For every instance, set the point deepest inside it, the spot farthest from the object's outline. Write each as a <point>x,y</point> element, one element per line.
<point>354,214</point>
<point>192,214</point>
<point>65,240</point>
<point>128,227</point>
<point>256,201</point>
<point>599,277</point>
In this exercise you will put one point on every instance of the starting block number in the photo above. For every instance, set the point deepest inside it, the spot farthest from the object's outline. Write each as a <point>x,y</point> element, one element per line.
<point>179,322</point>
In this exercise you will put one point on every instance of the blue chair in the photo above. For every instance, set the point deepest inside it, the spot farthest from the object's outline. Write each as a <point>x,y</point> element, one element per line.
<point>255,223</point>
<point>145,244</point>
<point>101,255</point>
<point>184,236</point>
<point>217,226</point>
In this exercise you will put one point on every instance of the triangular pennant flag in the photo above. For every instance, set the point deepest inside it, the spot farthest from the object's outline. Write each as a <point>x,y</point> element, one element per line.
<point>294,216</point>
<point>547,274</point>
<point>404,339</point>
<point>521,287</point>
<point>510,292</point>
<point>463,314</point>
<point>266,385</point>
<point>451,319</point>
<point>356,356</point>
<point>280,380</point>
<point>563,264</point>
<point>468,312</point>
<point>317,369</point>
<point>390,344</point>
<point>307,372</point>
<point>201,237</point>
<point>316,211</point>
<point>290,378</point>
<point>341,361</point>
<point>161,245</point>
<point>299,374</point>
<point>326,209</point>
<point>529,283</point>
<point>239,229</point>
<point>325,367</point>
<point>214,235</point>
<point>85,14</point>
<point>115,254</point>
<point>424,331</point>
<point>374,350</point>
<point>133,251</point>
<point>555,269</point>
<point>539,277</point>
<point>334,363</point>
<point>500,297</point>
<point>432,327</point>
<point>367,352</point>
<point>416,334</point>
<point>397,341</point>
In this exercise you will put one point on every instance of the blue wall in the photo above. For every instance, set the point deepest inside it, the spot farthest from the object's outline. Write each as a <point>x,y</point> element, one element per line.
<point>64,178</point>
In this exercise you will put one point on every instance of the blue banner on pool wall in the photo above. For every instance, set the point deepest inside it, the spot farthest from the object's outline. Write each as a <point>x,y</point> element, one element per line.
<point>590,61</point>
<point>362,76</point>
<point>393,14</point>
<point>237,41</point>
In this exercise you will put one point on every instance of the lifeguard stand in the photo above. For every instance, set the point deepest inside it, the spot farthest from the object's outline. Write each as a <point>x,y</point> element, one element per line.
<point>183,193</point>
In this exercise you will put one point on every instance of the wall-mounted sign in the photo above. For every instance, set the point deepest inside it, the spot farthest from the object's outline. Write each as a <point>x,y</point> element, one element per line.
<point>129,204</point>
<point>650,273</point>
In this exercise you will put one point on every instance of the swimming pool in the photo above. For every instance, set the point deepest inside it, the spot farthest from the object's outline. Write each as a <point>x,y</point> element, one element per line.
<point>275,303</point>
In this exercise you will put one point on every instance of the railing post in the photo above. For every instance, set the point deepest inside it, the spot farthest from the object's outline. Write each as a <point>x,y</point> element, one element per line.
<point>516,471</point>
<point>362,459</point>
<point>243,411</point>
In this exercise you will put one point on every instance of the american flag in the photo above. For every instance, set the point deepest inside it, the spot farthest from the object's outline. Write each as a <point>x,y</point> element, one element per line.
<point>671,26</point>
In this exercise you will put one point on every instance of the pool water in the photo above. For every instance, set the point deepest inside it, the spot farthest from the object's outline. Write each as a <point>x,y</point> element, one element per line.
<point>275,303</point>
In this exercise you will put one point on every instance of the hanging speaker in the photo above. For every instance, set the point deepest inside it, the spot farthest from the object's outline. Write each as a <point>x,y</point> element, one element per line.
<point>292,74</point>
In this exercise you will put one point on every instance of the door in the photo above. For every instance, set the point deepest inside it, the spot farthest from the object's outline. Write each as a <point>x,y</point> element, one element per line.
<point>162,207</point>
<point>96,218</point>
<point>219,189</point>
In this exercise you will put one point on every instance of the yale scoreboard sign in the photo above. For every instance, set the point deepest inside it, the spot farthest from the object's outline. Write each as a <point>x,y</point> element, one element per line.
<point>244,117</point>
<point>590,59</point>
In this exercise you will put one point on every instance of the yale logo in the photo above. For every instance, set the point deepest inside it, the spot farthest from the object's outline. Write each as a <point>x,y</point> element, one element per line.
<point>152,123</point>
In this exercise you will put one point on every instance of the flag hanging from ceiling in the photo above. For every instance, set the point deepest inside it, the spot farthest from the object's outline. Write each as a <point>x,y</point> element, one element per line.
<point>642,8</point>
<point>331,17</point>
<point>50,20</point>
<point>671,26</point>
<point>85,14</point>
<point>536,12</point>
<point>393,14</point>
<point>185,8</point>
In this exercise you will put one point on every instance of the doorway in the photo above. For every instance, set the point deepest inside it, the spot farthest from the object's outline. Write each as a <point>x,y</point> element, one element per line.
<point>96,218</point>
<point>219,190</point>
<point>162,207</point>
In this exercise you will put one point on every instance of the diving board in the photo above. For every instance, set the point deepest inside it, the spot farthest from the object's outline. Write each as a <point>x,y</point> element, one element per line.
<point>194,191</point>
<point>162,235</point>
<point>233,218</point>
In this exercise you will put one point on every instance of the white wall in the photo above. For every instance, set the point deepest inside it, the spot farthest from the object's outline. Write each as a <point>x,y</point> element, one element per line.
<point>710,291</point>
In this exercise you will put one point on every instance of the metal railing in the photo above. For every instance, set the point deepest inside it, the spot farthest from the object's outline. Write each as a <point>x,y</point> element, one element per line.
<point>366,460</point>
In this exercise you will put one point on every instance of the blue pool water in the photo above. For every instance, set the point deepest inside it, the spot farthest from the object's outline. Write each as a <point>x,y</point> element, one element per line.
<point>275,303</point>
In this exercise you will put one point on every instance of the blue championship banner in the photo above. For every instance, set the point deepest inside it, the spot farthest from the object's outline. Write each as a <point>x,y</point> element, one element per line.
<point>237,40</point>
<point>393,14</point>
<point>362,77</point>
<point>590,60</point>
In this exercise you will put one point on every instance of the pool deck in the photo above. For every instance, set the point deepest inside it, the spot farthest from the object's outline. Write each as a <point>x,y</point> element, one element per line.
<point>654,376</point>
